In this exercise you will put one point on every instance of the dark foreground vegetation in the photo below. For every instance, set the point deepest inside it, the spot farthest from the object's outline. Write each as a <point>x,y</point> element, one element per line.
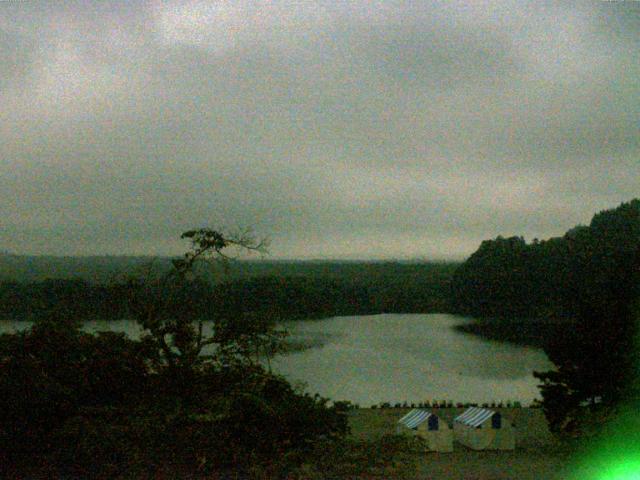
<point>75,405</point>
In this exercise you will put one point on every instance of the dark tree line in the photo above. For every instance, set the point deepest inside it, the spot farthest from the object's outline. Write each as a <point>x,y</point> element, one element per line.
<point>78,298</point>
<point>388,288</point>
<point>597,359</point>
<point>508,277</point>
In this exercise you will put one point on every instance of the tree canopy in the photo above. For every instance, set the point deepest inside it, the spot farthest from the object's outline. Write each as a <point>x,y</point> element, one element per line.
<point>550,278</point>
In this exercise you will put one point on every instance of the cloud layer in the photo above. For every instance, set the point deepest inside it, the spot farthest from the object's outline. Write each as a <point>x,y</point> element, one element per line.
<point>339,129</point>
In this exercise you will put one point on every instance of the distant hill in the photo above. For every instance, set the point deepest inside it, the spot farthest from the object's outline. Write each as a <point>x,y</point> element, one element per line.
<point>96,269</point>
<point>103,269</point>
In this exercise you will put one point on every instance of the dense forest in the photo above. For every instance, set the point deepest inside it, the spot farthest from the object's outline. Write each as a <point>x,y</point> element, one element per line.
<point>285,290</point>
<point>104,269</point>
<point>96,269</point>
<point>554,278</point>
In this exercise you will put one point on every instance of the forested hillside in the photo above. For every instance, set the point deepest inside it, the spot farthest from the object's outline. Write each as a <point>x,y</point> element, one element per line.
<point>98,269</point>
<point>555,278</point>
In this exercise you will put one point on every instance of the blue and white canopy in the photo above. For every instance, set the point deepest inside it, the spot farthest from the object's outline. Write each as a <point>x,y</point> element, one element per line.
<point>474,416</point>
<point>415,417</point>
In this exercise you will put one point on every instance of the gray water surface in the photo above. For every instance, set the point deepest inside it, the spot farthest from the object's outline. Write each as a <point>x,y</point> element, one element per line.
<point>393,357</point>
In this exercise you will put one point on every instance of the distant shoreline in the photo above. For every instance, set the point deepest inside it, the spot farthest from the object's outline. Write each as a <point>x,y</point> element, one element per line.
<point>522,332</point>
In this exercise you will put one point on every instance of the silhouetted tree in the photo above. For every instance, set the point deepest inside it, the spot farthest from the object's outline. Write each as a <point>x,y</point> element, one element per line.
<point>597,360</point>
<point>173,316</point>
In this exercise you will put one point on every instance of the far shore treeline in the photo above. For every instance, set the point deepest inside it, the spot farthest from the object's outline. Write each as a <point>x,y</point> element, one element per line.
<point>285,290</point>
<point>534,293</point>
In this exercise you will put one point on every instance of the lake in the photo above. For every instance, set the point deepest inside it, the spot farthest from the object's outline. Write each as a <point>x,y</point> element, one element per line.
<point>397,357</point>
<point>394,357</point>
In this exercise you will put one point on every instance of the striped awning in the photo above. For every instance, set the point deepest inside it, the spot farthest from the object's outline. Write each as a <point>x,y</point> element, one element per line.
<point>474,416</point>
<point>414,418</point>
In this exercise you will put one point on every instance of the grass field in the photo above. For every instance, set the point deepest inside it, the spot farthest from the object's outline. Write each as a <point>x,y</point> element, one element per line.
<point>537,456</point>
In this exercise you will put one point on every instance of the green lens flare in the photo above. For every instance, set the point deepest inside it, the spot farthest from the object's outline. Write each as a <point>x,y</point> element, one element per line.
<point>614,454</point>
<point>626,470</point>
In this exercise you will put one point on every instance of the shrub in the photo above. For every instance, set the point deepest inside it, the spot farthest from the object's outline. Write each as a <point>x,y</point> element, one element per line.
<point>55,369</point>
<point>89,407</point>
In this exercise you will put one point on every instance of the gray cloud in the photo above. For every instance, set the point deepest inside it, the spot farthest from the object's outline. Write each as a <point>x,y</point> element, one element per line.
<point>368,130</point>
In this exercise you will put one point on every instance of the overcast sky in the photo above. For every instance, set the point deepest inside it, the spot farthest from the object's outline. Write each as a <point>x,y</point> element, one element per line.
<point>365,129</point>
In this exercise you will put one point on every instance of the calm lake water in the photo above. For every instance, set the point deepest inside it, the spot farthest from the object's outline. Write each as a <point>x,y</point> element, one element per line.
<point>394,357</point>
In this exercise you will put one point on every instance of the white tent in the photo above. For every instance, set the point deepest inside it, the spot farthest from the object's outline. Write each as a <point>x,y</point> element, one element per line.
<point>436,433</point>
<point>483,429</point>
